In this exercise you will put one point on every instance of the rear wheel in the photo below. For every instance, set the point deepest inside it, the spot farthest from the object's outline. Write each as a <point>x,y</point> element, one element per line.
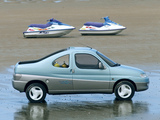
<point>124,90</point>
<point>36,93</point>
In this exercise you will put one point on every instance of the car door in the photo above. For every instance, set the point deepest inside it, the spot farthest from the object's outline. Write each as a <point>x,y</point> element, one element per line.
<point>87,76</point>
<point>61,75</point>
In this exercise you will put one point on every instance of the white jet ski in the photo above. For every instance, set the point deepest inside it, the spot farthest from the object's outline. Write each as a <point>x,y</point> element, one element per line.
<point>107,28</point>
<point>53,28</point>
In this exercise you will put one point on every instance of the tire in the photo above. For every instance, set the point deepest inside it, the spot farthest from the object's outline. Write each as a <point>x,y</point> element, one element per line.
<point>124,90</point>
<point>36,93</point>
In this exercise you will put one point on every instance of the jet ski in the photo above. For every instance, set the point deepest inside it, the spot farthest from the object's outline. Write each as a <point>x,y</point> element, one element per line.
<point>53,28</point>
<point>96,28</point>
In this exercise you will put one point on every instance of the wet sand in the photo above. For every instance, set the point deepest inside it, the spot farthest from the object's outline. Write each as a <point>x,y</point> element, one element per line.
<point>144,105</point>
<point>136,46</point>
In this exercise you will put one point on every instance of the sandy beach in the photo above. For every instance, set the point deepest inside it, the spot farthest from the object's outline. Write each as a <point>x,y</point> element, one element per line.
<point>136,46</point>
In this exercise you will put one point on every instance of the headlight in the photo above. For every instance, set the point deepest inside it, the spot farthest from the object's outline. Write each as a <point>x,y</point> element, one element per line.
<point>143,75</point>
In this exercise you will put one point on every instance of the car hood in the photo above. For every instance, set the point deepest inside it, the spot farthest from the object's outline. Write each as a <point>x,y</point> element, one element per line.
<point>126,70</point>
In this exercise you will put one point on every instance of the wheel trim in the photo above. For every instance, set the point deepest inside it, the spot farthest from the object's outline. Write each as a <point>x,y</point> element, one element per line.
<point>36,93</point>
<point>124,91</point>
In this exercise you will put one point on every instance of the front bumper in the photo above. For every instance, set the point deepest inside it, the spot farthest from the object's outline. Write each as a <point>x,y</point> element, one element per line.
<point>141,86</point>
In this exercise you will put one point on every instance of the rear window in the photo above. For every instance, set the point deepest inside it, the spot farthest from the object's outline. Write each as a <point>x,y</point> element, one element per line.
<point>34,61</point>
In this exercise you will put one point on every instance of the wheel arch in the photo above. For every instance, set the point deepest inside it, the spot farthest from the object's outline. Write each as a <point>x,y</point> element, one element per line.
<point>124,80</point>
<point>36,81</point>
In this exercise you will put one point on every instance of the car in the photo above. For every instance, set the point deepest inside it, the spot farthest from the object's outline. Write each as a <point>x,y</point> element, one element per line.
<point>77,70</point>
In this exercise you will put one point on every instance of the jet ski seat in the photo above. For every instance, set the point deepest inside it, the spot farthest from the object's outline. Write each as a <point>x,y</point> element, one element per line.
<point>96,24</point>
<point>40,25</point>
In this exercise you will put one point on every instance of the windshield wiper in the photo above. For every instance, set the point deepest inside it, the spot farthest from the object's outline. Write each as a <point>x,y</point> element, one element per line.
<point>117,64</point>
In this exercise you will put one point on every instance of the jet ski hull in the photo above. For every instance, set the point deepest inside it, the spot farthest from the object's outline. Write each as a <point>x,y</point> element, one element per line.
<point>96,28</point>
<point>100,32</point>
<point>46,33</point>
<point>53,28</point>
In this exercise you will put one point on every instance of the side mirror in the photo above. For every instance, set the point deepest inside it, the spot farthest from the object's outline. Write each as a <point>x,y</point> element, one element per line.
<point>101,66</point>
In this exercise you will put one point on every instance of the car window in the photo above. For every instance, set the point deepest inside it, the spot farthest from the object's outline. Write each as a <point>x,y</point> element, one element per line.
<point>86,61</point>
<point>62,62</point>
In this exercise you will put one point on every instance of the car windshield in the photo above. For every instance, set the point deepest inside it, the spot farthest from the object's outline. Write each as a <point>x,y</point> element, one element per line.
<point>107,60</point>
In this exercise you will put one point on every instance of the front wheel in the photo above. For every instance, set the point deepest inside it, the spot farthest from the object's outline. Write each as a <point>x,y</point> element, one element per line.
<point>124,90</point>
<point>36,93</point>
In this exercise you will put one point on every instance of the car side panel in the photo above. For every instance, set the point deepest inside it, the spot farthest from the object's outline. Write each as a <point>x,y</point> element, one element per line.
<point>54,84</point>
<point>90,80</point>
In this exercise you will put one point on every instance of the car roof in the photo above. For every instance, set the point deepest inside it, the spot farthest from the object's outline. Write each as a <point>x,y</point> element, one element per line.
<point>81,48</point>
<point>59,51</point>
